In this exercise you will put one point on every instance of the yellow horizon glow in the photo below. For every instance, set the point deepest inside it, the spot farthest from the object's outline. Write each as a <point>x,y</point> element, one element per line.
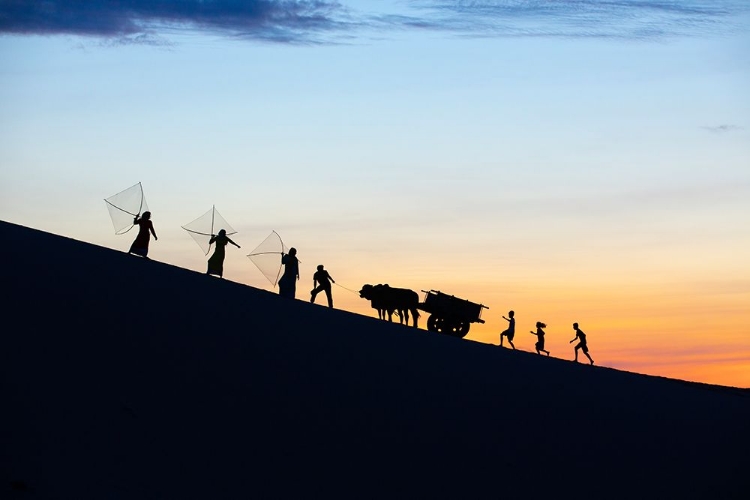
<point>653,328</point>
<point>683,326</point>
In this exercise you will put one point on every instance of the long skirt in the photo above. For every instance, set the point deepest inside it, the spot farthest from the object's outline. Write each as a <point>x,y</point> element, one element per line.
<point>140,244</point>
<point>287,286</point>
<point>142,251</point>
<point>216,263</point>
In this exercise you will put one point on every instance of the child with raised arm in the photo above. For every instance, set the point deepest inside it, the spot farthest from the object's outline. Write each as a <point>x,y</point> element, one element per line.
<point>540,334</point>
<point>511,331</point>
<point>581,337</point>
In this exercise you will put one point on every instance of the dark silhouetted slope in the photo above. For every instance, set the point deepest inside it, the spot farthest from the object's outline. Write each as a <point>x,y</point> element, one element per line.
<point>127,378</point>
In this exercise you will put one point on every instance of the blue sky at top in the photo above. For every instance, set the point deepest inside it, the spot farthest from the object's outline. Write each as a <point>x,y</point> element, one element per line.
<point>485,106</point>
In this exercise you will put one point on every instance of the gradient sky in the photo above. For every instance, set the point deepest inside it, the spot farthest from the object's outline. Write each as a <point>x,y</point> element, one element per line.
<point>579,161</point>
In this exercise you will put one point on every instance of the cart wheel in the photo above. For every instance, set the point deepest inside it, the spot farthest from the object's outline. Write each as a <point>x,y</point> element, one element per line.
<point>432,323</point>
<point>454,328</point>
<point>457,329</point>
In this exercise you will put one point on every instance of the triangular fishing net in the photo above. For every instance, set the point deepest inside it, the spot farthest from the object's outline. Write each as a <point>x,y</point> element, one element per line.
<point>207,225</point>
<point>124,206</point>
<point>267,257</point>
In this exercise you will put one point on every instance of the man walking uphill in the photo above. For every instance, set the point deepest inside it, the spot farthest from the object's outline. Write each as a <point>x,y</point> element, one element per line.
<point>581,337</point>
<point>323,281</point>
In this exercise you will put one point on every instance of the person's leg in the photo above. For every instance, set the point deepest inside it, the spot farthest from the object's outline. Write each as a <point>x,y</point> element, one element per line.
<point>541,348</point>
<point>329,295</point>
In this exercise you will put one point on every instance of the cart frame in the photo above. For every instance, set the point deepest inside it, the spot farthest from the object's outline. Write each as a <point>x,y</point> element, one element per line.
<point>450,315</point>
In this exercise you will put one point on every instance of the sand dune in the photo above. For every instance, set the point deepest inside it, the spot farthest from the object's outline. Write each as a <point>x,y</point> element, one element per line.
<point>127,378</point>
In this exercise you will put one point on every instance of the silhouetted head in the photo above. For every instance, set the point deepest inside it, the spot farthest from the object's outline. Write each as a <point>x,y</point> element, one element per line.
<point>292,251</point>
<point>320,267</point>
<point>539,324</point>
<point>366,291</point>
<point>575,326</point>
<point>222,232</point>
<point>511,313</point>
<point>146,215</point>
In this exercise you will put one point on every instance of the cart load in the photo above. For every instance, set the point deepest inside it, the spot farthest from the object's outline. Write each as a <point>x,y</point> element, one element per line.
<point>450,315</point>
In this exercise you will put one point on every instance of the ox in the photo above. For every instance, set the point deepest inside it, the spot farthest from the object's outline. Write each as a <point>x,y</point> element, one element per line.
<point>387,300</point>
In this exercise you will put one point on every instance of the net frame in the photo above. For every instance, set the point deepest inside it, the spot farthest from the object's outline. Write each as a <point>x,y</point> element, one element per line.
<point>267,257</point>
<point>206,226</point>
<point>125,206</point>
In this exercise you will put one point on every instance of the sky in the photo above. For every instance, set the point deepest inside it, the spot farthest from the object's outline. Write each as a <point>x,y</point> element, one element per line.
<point>574,161</point>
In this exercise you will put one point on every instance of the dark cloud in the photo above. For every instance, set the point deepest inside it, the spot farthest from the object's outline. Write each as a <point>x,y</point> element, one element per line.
<point>305,21</point>
<point>279,20</point>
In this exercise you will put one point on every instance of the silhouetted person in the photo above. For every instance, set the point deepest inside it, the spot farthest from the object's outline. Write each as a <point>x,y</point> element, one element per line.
<point>288,281</point>
<point>145,230</point>
<point>216,262</point>
<point>323,281</point>
<point>540,334</point>
<point>511,331</point>
<point>581,337</point>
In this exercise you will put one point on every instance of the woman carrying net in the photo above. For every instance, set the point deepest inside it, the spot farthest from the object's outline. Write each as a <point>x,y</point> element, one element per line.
<point>145,230</point>
<point>216,262</point>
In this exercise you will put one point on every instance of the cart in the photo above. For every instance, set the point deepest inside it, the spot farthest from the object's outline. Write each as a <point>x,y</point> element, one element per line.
<point>450,315</point>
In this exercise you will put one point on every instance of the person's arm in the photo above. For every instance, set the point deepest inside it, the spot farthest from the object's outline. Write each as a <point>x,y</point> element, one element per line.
<point>151,227</point>
<point>213,238</point>
<point>233,243</point>
<point>506,319</point>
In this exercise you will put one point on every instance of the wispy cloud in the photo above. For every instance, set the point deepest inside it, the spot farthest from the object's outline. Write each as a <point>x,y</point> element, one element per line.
<point>629,19</point>
<point>274,20</point>
<point>313,21</point>
<point>719,129</point>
